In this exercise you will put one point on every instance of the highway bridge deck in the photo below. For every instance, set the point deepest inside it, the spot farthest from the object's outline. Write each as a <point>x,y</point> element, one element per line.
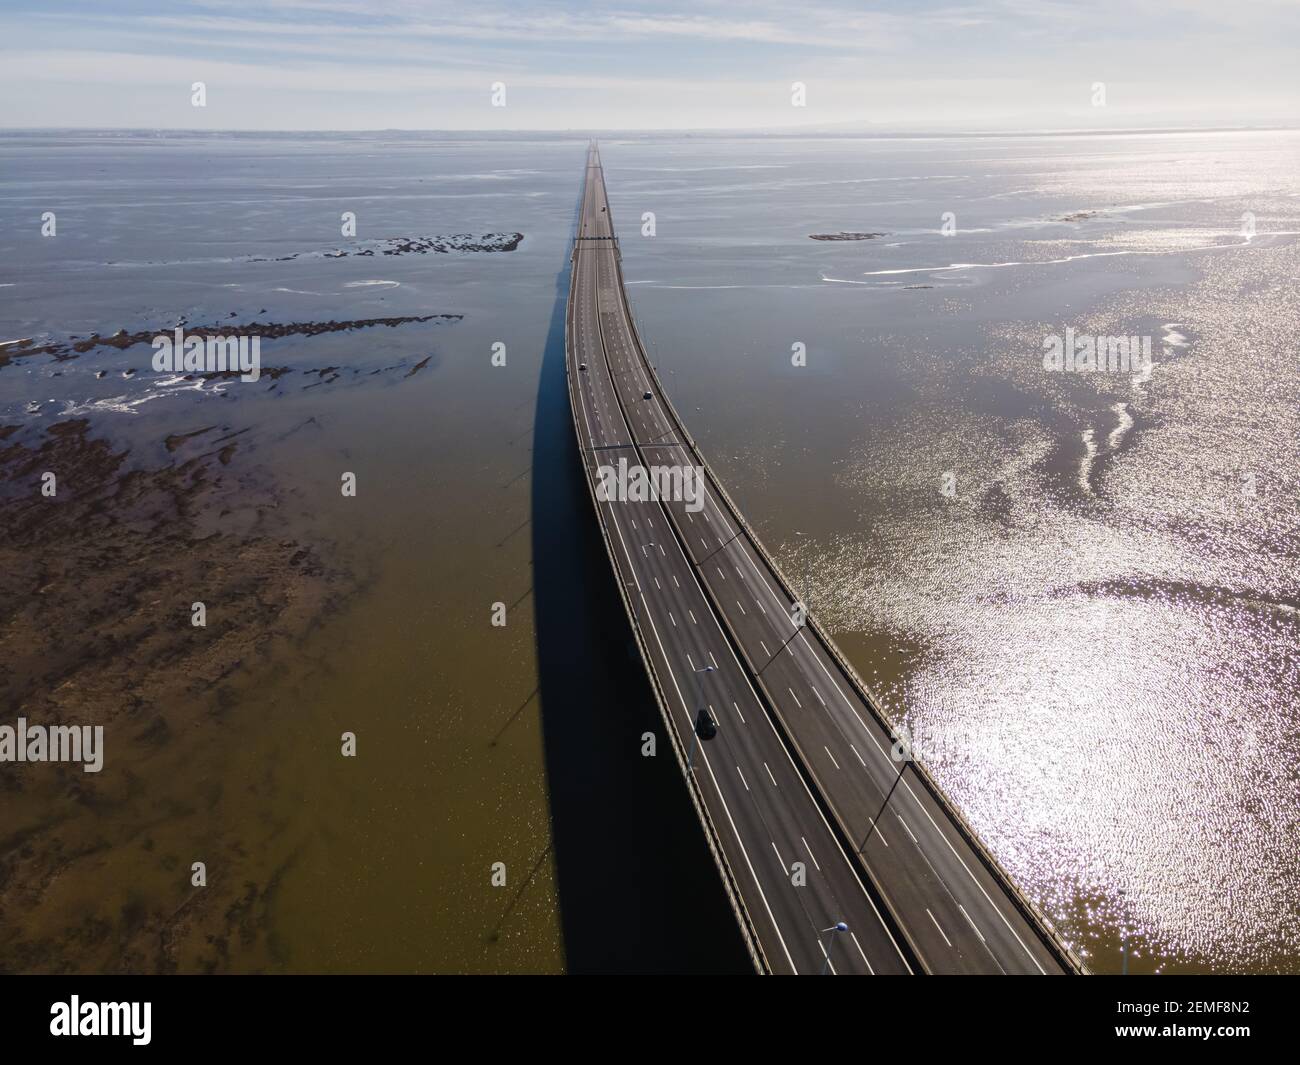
<point>802,769</point>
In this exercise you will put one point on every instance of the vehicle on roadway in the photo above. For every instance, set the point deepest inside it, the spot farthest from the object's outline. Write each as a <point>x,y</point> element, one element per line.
<point>648,395</point>
<point>582,366</point>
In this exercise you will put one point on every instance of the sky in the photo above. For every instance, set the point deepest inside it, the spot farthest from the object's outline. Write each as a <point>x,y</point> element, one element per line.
<point>888,66</point>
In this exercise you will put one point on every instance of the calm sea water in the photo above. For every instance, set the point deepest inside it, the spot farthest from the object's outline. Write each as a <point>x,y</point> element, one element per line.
<point>1079,591</point>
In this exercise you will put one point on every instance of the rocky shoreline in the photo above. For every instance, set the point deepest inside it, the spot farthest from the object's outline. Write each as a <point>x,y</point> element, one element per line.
<point>74,346</point>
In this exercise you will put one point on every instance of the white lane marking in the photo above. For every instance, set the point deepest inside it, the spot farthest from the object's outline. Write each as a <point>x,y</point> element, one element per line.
<point>867,960</point>
<point>765,650</point>
<point>742,609</point>
<point>818,694</point>
<point>769,775</point>
<point>738,713</point>
<point>780,859</point>
<point>742,777</point>
<point>909,831</point>
<point>810,854</point>
<point>941,931</point>
<point>690,661</point>
<point>720,573</point>
<point>658,585</point>
<point>794,697</point>
<point>830,756</point>
<point>761,607</point>
<point>855,751</point>
<point>972,923</point>
<point>672,619</point>
<point>692,614</point>
<point>713,660</point>
<point>674,576</point>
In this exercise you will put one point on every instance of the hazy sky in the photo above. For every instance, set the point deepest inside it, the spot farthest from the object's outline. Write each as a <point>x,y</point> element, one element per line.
<point>351,64</point>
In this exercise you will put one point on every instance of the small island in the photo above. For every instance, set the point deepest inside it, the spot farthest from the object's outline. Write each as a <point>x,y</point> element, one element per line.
<point>844,236</point>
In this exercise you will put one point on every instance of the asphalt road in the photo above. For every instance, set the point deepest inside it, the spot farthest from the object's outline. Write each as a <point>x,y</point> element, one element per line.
<point>789,716</point>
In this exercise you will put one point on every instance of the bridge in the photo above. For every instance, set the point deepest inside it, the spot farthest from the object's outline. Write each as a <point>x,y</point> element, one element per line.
<point>836,856</point>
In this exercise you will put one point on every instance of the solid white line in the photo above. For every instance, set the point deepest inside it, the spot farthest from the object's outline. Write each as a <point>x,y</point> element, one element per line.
<point>909,831</point>
<point>854,937</point>
<point>972,923</point>
<point>941,931</point>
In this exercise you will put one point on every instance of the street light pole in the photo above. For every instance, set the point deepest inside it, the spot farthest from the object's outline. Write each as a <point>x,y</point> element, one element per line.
<point>839,926</point>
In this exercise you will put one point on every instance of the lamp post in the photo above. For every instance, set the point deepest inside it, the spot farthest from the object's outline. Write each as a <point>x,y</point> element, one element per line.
<point>829,942</point>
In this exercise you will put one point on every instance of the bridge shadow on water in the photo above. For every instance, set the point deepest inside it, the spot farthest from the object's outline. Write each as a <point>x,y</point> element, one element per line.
<point>638,889</point>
